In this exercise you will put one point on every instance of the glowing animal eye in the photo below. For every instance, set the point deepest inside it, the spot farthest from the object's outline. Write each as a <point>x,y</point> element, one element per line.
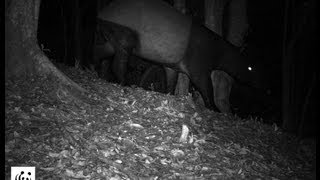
<point>250,68</point>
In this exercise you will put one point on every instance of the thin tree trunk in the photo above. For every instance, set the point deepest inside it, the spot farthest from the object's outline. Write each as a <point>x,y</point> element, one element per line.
<point>285,72</point>
<point>237,23</point>
<point>89,15</point>
<point>180,5</point>
<point>77,33</point>
<point>65,35</point>
<point>214,15</point>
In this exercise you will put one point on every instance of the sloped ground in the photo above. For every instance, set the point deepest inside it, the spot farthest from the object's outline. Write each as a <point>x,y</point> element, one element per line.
<point>128,133</point>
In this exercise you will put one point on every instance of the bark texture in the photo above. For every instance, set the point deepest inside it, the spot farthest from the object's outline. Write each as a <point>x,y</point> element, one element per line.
<point>214,14</point>
<point>23,57</point>
<point>237,22</point>
<point>20,36</point>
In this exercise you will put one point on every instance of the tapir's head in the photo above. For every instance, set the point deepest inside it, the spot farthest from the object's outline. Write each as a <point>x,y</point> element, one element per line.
<point>243,70</point>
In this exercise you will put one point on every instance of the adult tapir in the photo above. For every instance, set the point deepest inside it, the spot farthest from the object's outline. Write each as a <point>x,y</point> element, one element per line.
<point>154,30</point>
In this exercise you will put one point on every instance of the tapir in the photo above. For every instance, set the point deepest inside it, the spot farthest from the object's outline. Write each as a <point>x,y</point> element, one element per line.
<point>153,30</point>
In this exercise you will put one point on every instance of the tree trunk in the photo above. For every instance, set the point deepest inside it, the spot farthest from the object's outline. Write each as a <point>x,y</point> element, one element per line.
<point>237,22</point>
<point>89,15</point>
<point>77,36</point>
<point>183,81</point>
<point>299,73</point>
<point>180,5</point>
<point>214,14</point>
<point>23,55</point>
<point>232,13</point>
<point>65,33</point>
<point>286,62</point>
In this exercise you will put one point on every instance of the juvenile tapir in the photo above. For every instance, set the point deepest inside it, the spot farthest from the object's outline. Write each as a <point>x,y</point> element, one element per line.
<point>154,30</point>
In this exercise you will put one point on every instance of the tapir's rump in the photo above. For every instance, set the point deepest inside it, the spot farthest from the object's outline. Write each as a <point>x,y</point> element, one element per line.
<point>163,31</point>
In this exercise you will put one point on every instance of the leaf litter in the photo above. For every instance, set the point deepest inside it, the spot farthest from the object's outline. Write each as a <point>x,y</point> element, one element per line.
<point>118,132</point>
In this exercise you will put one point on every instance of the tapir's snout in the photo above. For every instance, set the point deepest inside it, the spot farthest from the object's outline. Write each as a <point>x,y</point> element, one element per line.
<point>257,80</point>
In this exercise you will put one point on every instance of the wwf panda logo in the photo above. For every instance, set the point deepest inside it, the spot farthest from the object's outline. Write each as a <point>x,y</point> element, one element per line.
<point>23,176</point>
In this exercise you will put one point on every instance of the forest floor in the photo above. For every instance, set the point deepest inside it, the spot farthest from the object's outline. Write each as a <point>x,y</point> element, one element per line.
<point>118,132</point>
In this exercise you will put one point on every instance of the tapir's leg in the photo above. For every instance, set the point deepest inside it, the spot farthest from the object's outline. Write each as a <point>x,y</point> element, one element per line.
<point>203,83</point>
<point>124,41</point>
<point>123,52</point>
<point>102,54</point>
<point>222,84</point>
<point>119,65</point>
<point>171,76</point>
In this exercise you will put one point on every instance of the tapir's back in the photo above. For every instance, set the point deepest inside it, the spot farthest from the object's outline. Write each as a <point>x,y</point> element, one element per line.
<point>163,31</point>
